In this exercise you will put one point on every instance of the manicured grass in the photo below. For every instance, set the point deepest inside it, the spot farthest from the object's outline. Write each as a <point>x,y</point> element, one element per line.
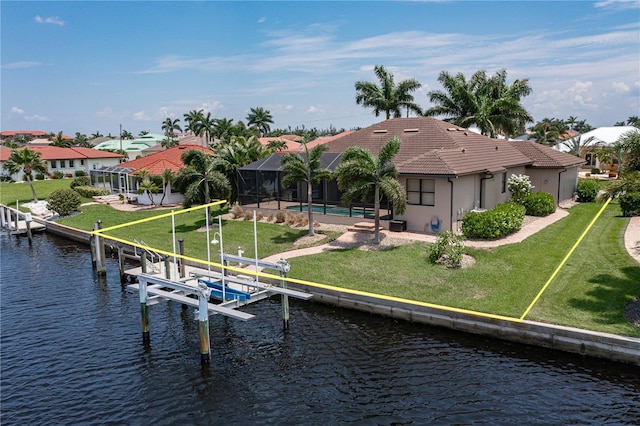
<point>189,226</point>
<point>590,292</point>
<point>10,192</point>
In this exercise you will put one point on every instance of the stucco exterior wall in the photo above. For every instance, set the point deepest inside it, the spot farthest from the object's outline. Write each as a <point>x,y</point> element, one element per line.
<point>561,183</point>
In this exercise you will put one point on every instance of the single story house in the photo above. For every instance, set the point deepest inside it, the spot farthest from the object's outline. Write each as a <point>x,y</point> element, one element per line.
<point>446,171</point>
<point>121,179</point>
<point>602,136</point>
<point>68,160</point>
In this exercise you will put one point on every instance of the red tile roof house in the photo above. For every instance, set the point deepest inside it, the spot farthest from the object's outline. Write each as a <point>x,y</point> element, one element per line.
<point>68,160</point>
<point>448,170</point>
<point>121,179</point>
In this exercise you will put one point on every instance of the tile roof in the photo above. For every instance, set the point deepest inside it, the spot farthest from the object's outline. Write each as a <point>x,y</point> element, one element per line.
<point>32,133</point>
<point>158,162</point>
<point>544,156</point>
<point>48,153</point>
<point>434,147</point>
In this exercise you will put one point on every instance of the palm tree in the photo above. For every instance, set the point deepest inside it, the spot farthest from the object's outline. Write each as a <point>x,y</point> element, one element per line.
<point>143,132</point>
<point>200,179</point>
<point>260,118</point>
<point>297,168</point>
<point>571,122</point>
<point>126,134</point>
<point>487,102</point>
<point>81,140</point>
<point>275,146</point>
<point>96,135</point>
<point>59,140</point>
<point>147,184</point>
<point>576,146</point>
<point>362,174</point>
<point>548,131</point>
<point>222,128</point>
<point>170,126</point>
<point>193,119</point>
<point>388,97</point>
<point>168,177</point>
<point>634,120</point>
<point>235,153</point>
<point>28,161</point>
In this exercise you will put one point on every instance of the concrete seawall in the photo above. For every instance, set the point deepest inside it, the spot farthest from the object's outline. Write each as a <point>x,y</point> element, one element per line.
<point>568,339</point>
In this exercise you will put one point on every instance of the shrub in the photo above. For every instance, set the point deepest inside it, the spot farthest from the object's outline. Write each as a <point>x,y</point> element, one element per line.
<point>248,215</point>
<point>280,217</point>
<point>587,190</point>
<point>539,204</point>
<point>64,201</point>
<point>270,218</point>
<point>595,171</point>
<point>502,220</point>
<point>237,212</point>
<point>79,173</point>
<point>6,178</point>
<point>290,219</point>
<point>57,175</point>
<point>259,215</point>
<point>80,181</point>
<point>447,249</point>
<point>302,220</point>
<point>91,191</point>
<point>630,204</point>
<point>39,176</point>
<point>519,186</point>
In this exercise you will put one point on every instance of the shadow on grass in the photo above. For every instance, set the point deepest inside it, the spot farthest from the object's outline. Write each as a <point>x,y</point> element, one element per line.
<point>286,237</point>
<point>182,228</point>
<point>606,301</point>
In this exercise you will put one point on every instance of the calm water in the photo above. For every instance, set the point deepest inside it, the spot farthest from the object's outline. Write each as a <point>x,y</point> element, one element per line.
<point>71,353</point>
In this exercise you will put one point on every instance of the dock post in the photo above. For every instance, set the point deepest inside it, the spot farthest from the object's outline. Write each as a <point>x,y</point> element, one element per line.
<point>2,216</point>
<point>101,261</point>
<point>144,311</point>
<point>27,222</point>
<point>16,221</point>
<point>167,267</point>
<point>181,253</point>
<point>203,322</point>
<point>123,276</point>
<point>143,262</point>
<point>8,219</point>
<point>284,299</point>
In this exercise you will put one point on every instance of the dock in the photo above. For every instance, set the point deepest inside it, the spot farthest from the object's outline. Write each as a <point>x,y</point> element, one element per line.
<point>16,222</point>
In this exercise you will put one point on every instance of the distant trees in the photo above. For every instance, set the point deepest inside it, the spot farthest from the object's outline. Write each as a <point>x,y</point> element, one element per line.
<point>200,180</point>
<point>28,161</point>
<point>58,139</point>
<point>548,131</point>
<point>261,119</point>
<point>486,102</point>
<point>389,97</point>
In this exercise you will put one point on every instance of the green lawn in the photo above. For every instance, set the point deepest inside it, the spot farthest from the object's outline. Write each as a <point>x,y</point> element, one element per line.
<point>10,192</point>
<point>590,291</point>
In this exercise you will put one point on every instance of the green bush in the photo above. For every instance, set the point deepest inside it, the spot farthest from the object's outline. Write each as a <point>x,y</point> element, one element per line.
<point>57,175</point>
<point>539,204</point>
<point>64,201</point>
<point>502,220</point>
<point>79,173</point>
<point>587,190</point>
<point>80,181</point>
<point>519,186</point>
<point>630,204</point>
<point>595,171</point>
<point>39,176</point>
<point>447,249</point>
<point>91,191</point>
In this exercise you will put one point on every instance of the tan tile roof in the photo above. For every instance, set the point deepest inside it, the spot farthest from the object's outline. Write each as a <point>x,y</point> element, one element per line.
<point>434,147</point>
<point>544,156</point>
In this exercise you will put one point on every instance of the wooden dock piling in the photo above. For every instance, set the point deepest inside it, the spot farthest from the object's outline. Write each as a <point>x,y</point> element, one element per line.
<point>99,250</point>
<point>204,293</point>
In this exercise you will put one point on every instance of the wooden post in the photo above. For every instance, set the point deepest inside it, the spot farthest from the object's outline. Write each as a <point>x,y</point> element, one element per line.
<point>167,267</point>
<point>101,262</point>
<point>16,221</point>
<point>27,222</point>
<point>143,262</point>
<point>144,311</point>
<point>203,322</point>
<point>123,276</point>
<point>2,216</point>
<point>8,221</point>
<point>181,252</point>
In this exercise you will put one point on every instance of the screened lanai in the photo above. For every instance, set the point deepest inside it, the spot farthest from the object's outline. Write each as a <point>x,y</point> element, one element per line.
<point>114,178</point>
<point>259,185</point>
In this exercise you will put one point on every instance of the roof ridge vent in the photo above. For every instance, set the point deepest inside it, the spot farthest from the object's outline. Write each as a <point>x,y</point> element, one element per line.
<point>380,131</point>
<point>451,129</point>
<point>411,130</point>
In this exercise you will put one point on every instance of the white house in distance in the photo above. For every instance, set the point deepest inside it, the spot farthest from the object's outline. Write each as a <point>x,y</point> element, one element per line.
<point>133,147</point>
<point>67,160</point>
<point>602,136</point>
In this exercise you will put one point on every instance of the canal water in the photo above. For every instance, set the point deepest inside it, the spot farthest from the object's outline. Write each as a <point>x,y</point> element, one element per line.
<point>72,354</point>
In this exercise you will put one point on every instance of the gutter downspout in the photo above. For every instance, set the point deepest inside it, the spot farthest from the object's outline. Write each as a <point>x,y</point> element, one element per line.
<point>451,205</point>
<point>559,180</point>
<point>487,176</point>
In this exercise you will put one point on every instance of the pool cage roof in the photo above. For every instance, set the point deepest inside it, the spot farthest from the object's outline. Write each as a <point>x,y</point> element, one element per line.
<point>272,163</point>
<point>114,169</point>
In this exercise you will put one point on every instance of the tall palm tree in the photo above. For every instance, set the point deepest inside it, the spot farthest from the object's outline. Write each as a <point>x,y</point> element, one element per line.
<point>59,140</point>
<point>194,119</point>
<point>487,102</point>
<point>143,132</point>
<point>168,177</point>
<point>96,135</point>
<point>634,120</point>
<point>548,131</point>
<point>28,161</point>
<point>576,146</point>
<point>260,118</point>
<point>388,97</point>
<point>126,134</point>
<point>362,174</point>
<point>200,179</point>
<point>169,126</point>
<point>81,140</point>
<point>306,169</point>
<point>222,128</point>
<point>571,122</point>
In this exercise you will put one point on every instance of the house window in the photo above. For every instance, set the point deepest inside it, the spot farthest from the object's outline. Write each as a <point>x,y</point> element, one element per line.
<point>53,164</point>
<point>82,162</point>
<point>421,192</point>
<point>504,182</point>
<point>71,163</point>
<point>62,164</point>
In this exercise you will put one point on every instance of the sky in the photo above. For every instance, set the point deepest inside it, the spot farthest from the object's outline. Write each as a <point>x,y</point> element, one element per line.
<point>79,66</point>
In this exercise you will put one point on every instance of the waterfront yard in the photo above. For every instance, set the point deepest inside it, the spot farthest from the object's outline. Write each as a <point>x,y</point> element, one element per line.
<point>589,292</point>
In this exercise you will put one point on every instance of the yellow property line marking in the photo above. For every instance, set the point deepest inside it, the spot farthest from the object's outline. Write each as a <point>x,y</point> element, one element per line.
<point>136,222</point>
<point>565,259</point>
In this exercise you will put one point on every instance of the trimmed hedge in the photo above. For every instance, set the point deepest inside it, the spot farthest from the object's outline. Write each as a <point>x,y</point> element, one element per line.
<point>80,181</point>
<point>587,190</point>
<point>91,191</point>
<point>630,204</point>
<point>64,201</point>
<point>539,204</point>
<point>501,220</point>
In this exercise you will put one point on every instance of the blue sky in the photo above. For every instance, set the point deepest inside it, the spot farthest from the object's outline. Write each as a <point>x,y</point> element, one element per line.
<point>91,66</point>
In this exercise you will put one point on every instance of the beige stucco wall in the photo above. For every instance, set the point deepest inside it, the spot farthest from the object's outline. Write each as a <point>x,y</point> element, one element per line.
<point>561,184</point>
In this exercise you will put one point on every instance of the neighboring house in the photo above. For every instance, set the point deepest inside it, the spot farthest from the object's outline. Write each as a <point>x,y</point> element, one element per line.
<point>121,179</point>
<point>602,136</point>
<point>446,170</point>
<point>294,142</point>
<point>68,160</point>
<point>133,147</point>
<point>31,134</point>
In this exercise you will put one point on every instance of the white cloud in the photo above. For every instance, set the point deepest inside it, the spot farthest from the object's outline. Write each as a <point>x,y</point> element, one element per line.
<point>36,117</point>
<point>49,20</point>
<point>314,110</point>
<point>141,116</point>
<point>21,65</point>
<point>619,87</point>
<point>17,111</point>
<point>261,20</point>
<point>618,4</point>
